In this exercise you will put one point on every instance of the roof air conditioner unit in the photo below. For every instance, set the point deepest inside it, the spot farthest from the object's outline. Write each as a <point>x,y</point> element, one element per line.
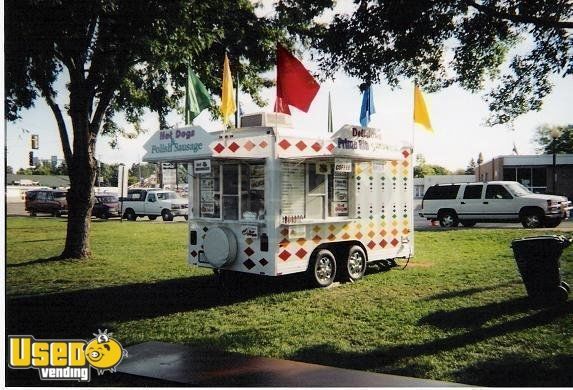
<point>266,119</point>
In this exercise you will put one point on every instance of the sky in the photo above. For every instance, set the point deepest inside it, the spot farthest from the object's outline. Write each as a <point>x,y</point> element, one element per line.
<point>457,117</point>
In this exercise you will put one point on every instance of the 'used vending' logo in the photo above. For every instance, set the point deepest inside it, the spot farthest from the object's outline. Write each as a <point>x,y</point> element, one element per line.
<point>66,359</point>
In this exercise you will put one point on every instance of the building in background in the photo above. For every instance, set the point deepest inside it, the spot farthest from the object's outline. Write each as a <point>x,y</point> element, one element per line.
<point>533,171</point>
<point>421,184</point>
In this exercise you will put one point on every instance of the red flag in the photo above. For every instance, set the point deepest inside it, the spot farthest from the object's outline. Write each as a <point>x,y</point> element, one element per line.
<point>295,85</point>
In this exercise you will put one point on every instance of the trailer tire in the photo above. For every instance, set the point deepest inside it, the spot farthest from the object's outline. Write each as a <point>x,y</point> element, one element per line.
<point>152,217</point>
<point>354,265</point>
<point>322,268</point>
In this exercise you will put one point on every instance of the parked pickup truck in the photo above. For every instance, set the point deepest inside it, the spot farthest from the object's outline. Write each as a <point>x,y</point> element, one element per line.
<point>494,201</point>
<point>153,202</point>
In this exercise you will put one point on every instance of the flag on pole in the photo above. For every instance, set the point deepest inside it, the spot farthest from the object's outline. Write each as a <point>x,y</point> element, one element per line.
<point>421,115</point>
<point>367,108</point>
<point>329,114</point>
<point>196,97</point>
<point>295,85</point>
<point>227,94</point>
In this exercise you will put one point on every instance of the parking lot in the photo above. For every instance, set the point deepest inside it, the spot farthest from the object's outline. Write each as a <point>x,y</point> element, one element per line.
<point>17,209</point>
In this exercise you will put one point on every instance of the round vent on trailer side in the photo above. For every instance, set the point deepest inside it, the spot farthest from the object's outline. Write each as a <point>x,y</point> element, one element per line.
<point>220,246</point>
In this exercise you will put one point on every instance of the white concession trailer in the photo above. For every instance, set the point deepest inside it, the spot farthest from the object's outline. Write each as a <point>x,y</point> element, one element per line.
<point>264,201</point>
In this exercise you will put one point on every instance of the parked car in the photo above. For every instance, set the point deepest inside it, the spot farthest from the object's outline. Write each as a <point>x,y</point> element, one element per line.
<point>106,206</point>
<point>495,201</point>
<point>46,201</point>
<point>153,202</point>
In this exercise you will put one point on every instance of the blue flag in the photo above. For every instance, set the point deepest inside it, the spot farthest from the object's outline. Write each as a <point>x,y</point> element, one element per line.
<point>367,108</point>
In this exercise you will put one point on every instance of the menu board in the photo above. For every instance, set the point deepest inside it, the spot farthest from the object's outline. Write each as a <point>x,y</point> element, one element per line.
<point>257,177</point>
<point>207,197</point>
<point>339,199</point>
<point>292,190</point>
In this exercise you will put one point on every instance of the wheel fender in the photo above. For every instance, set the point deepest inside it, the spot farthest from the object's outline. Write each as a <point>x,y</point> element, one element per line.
<point>531,209</point>
<point>441,211</point>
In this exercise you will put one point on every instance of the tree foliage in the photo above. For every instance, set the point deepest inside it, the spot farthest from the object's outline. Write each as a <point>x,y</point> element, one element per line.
<point>45,168</point>
<point>471,168</point>
<point>437,43</point>
<point>423,169</point>
<point>545,142</point>
<point>125,57</point>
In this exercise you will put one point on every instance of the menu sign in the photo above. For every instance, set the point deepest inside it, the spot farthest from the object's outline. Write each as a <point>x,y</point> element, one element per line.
<point>292,189</point>
<point>202,166</point>
<point>207,197</point>
<point>339,205</point>
<point>339,209</point>
<point>342,165</point>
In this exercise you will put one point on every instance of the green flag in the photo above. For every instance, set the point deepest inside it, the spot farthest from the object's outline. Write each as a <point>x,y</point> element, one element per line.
<point>196,97</point>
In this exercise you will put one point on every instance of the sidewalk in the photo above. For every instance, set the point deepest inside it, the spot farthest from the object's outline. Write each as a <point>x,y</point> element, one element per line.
<point>186,365</point>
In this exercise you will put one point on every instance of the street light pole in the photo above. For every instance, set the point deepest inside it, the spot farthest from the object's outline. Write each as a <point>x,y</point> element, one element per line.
<point>555,134</point>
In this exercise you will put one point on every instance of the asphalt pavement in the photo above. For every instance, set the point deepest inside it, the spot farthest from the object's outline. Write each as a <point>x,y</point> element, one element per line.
<point>17,209</point>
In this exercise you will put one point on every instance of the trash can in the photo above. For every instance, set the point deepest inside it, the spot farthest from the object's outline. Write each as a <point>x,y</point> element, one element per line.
<point>537,259</point>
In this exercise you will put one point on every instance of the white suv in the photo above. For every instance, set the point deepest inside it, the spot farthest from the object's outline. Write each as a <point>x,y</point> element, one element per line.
<point>494,201</point>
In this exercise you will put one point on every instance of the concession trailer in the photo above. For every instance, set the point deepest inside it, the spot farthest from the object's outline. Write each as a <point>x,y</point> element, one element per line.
<point>265,201</point>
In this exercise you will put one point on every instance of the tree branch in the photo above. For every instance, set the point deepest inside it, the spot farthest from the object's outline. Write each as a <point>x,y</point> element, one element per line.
<point>107,91</point>
<point>61,128</point>
<point>541,22</point>
<point>103,102</point>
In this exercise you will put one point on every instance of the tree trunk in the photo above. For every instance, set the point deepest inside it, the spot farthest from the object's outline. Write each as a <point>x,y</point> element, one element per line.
<point>80,203</point>
<point>82,171</point>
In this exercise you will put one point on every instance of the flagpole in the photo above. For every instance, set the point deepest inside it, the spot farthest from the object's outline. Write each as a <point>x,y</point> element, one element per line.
<point>237,119</point>
<point>413,122</point>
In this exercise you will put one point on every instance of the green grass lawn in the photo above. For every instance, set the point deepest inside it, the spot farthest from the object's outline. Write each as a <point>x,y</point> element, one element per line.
<point>457,313</point>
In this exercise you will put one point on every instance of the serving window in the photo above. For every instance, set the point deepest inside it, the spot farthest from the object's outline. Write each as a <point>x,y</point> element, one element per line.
<point>313,191</point>
<point>233,191</point>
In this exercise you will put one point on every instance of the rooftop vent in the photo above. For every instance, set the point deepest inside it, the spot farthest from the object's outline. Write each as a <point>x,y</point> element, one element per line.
<point>266,119</point>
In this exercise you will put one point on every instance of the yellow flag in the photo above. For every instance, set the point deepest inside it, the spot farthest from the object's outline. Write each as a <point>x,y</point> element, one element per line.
<point>421,115</point>
<point>227,93</point>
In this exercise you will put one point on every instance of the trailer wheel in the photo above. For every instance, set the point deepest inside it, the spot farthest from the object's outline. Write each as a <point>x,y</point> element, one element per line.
<point>152,217</point>
<point>355,264</point>
<point>322,270</point>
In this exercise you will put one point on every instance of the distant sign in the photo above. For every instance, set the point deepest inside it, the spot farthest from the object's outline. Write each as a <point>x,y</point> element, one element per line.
<point>167,165</point>
<point>202,166</point>
<point>122,176</point>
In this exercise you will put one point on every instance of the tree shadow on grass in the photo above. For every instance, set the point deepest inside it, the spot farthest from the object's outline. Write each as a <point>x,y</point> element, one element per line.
<point>72,314</point>
<point>516,370</point>
<point>471,291</point>
<point>476,316</point>
<point>37,261</point>
<point>386,359</point>
<point>43,240</point>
